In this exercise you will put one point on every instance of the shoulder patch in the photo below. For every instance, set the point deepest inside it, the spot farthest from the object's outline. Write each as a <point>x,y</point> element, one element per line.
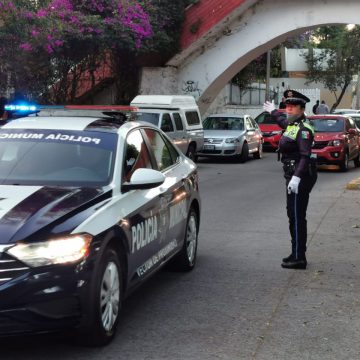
<point>305,135</point>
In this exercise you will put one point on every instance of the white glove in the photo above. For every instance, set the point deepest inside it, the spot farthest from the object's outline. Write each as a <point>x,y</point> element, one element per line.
<point>293,185</point>
<point>269,106</point>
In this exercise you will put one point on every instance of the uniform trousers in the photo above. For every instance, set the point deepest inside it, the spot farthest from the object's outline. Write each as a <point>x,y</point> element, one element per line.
<point>296,206</point>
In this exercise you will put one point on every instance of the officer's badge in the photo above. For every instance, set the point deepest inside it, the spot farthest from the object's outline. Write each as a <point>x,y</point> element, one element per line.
<point>305,135</point>
<point>290,94</point>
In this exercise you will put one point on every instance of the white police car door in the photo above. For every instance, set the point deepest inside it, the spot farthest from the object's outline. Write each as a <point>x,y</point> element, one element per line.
<point>143,225</point>
<point>176,190</point>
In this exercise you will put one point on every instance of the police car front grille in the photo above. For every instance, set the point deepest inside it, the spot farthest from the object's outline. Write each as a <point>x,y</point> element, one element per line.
<point>10,268</point>
<point>320,144</point>
<point>213,141</point>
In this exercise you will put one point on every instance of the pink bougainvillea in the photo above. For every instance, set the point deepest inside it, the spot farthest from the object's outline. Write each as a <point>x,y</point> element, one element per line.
<point>53,25</point>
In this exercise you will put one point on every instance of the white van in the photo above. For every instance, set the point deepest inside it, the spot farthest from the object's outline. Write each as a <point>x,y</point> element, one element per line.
<point>177,115</point>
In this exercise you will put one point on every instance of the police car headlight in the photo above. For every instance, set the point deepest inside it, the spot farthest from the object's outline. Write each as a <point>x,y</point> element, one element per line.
<point>231,140</point>
<point>62,250</point>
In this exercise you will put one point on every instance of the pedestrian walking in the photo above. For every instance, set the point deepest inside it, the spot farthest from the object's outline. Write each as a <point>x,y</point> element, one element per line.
<point>315,107</point>
<point>322,108</point>
<point>299,171</point>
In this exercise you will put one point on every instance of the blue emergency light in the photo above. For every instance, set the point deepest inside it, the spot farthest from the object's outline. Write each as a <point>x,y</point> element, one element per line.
<point>21,107</point>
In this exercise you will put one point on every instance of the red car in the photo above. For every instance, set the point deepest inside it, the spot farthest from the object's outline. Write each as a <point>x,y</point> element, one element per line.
<point>336,140</point>
<point>270,129</point>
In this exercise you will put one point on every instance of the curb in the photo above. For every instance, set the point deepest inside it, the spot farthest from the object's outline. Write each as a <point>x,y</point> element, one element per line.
<point>353,184</point>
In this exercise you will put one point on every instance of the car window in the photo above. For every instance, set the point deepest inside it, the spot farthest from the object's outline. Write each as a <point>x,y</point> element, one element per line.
<point>328,125</point>
<point>178,121</point>
<point>166,123</point>
<point>249,125</point>
<point>192,117</point>
<point>152,118</point>
<point>223,123</point>
<point>136,155</point>
<point>162,151</point>
<point>357,122</point>
<point>265,118</point>
<point>351,123</point>
<point>253,123</point>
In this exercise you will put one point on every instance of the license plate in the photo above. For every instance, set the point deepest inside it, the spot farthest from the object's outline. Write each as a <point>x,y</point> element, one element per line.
<point>209,147</point>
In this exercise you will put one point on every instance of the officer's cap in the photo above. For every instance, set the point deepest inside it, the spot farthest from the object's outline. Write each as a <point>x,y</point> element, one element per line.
<point>295,98</point>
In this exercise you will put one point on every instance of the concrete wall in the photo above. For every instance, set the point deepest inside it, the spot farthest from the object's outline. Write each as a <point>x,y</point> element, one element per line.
<point>243,38</point>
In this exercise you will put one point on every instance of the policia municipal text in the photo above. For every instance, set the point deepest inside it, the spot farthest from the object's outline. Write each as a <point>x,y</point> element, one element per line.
<point>299,170</point>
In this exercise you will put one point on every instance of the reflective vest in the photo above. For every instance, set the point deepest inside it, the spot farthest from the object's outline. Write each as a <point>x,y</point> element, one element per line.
<point>292,130</point>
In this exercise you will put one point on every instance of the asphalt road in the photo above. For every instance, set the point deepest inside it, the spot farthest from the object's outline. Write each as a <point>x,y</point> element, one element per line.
<point>239,303</point>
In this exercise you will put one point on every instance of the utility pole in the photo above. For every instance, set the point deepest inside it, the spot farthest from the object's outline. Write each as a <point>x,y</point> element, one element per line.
<point>267,90</point>
<point>357,103</point>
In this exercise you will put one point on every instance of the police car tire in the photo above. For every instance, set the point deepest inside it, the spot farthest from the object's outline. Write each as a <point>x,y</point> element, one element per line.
<point>95,334</point>
<point>244,153</point>
<point>181,261</point>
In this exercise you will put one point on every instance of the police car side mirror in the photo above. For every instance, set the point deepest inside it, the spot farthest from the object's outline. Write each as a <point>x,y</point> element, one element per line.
<point>144,179</point>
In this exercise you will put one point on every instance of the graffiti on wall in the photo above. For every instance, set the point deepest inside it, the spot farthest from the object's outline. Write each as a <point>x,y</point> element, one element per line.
<point>191,87</point>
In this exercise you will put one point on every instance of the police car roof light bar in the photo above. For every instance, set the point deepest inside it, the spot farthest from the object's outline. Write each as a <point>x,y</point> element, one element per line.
<point>102,107</point>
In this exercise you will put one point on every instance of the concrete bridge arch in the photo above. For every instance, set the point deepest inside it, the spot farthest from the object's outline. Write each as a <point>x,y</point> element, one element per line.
<point>235,41</point>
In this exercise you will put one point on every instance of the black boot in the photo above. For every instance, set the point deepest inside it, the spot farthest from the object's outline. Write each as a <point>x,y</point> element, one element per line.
<point>287,259</point>
<point>295,264</point>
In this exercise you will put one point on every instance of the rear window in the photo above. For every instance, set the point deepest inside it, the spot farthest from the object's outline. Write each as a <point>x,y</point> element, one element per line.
<point>328,125</point>
<point>192,117</point>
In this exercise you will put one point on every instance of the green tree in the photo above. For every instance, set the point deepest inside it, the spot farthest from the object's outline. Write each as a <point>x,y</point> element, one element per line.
<point>336,60</point>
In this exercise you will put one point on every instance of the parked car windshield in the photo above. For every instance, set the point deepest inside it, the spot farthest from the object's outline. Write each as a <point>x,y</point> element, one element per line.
<point>223,123</point>
<point>265,118</point>
<point>61,158</point>
<point>328,125</point>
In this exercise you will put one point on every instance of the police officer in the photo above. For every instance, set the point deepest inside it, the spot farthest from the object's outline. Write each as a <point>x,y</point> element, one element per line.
<point>299,170</point>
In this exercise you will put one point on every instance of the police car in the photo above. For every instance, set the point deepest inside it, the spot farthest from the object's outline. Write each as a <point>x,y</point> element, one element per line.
<point>90,207</point>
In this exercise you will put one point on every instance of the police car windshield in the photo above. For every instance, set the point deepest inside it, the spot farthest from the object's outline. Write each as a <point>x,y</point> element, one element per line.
<point>223,123</point>
<point>61,158</point>
<point>328,125</point>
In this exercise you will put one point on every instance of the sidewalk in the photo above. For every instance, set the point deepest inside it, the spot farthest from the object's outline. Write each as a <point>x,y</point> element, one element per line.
<point>318,312</point>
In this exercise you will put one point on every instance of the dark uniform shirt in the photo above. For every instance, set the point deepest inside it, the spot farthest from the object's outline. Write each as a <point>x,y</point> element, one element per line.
<point>295,143</point>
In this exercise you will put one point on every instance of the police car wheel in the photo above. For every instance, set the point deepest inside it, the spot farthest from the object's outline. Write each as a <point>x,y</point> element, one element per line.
<point>106,302</point>
<point>185,260</point>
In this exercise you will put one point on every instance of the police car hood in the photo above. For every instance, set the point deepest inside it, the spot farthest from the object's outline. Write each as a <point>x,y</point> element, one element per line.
<point>36,212</point>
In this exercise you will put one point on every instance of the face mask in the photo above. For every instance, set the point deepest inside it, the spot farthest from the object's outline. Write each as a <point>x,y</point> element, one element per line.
<point>292,118</point>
